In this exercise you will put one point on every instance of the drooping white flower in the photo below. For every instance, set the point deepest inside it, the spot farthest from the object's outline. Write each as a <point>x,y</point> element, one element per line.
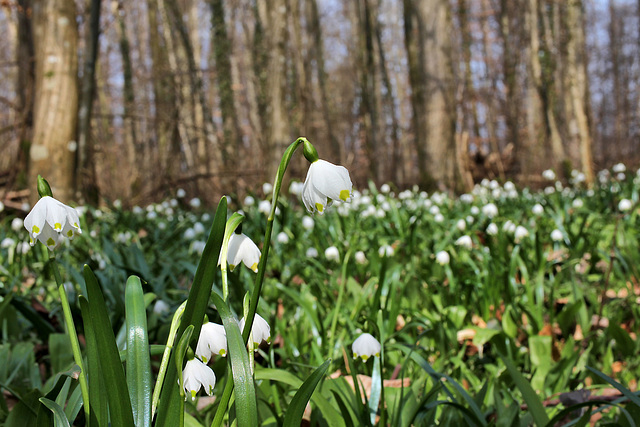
<point>549,175</point>
<point>264,207</point>
<point>492,229</point>
<point>195,375</point>
<point>385,251</point>
<point>283,238</point>
<point>212,341</point>
<point>556,235</point>
<point>443,258</point>
<point>307,222</point>
<point>49,220</point>
<point>260,330</point>
<point>267,187</point>
<point>537,209</point>
<point>361,258</point>
<point>332,253</point>
<point>577,203</point>
<point>625,205</point>
<point>619,168</point>
<point>242,249</point>
<point>520,233</point>
<point>16,224</point>
<point>195,203</point>
<point>365,346</point>
<point>181,193</point>
<point>7,242</point>
<point>160,307</point>
<point>325,183</point>
<point>461,224</point>
<point>249,201</point>
<point>464,241</point>
<point>295,188</point>
<point>438,217</point>
<point>311,253</point>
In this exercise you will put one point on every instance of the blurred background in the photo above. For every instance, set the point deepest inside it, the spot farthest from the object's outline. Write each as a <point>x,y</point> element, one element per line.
<point>132,100</point>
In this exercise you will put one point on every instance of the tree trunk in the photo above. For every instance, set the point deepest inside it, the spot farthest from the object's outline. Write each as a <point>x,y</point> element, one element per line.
<point>427,29</point>
<point>55,36</point>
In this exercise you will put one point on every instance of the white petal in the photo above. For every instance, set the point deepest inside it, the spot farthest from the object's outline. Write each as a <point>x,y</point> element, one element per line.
<point>49,237</point>
<point>332,181</point>
<point>365,346</point>
<point>35,220</point>
<point>56,214</point>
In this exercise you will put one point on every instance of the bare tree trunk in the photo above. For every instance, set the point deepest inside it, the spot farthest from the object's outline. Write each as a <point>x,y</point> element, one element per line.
<point>85,170</point>
<point>55,37</point>
<point>427,29</point>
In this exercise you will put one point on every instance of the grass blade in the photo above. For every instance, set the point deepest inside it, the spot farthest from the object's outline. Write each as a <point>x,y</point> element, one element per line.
<point>59,418</point>
<point>299,402</point>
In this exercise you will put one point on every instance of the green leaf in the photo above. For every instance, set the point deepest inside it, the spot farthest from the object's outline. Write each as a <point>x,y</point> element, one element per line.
<point>97,402</point>
<point>138,360</point>
<point>181,349</point>
<point>530,397</point>
<point>245,394</point>
<point>169,406</point>
<point>59,418</point>
<point>622,389</point>
<point>115,383</point>
<point>294,414</point>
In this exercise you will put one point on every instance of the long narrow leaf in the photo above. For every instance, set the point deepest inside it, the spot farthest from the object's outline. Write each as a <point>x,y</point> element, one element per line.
<point>97,402</point>
<point>627,393</point>
<point>245,393</point>
<point>169,406</point>
<point>138,360</point>
<point>115,383</point>
<point>59,418</point>
<point>299,402</point>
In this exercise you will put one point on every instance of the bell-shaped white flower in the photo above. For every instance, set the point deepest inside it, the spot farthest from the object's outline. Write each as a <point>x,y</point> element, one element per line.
<point>556,235</point>
<point>242,249</point>
<point>195,375</point>
<point>260,330</point>
<point>464,241</point>
<point>520,233</point>
<point>49,220</point>
<point>625,205</point>
<point>212,340</point>
<point>325,183</point>
<point>365,346</point>
<point>332,253</point>
<point>443,258</point>
<point>490,210</point>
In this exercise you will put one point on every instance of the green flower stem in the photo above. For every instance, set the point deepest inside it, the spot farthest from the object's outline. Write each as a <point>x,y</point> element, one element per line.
<point>73,336</point>
<point>232,223</point>
<point>257,288</point>
<point>343,285</point>
<point>175,323</point>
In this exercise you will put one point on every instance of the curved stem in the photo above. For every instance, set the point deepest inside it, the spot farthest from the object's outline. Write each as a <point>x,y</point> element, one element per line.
<point>73,336</point>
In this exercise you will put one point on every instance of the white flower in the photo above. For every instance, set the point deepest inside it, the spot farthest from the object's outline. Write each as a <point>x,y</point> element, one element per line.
<point>625,205</point>
<point>49,220</point>
<point>520,233</point>
<point>361,258</point>
<point>198,228</point>
<point>17,224</point>
<point>195,375</point>
<point>464,241</point>
<point>490,210</point>
<point>249,201</point>
<point>307,222</point>
<point>549,175</point>
<point>242,249</point>
<point>197,246</point>
<point>295,188</point>
<point>282,237</point>
<point>260,330</point>
<point>509,186</point>
<point>212,340</point>
<point>311,253</point>
<point>325,183</point>
<point>189,234</point>
<point>264,207</point>
<point>537,209</point>
<point>160,307</point>
<point>267,188</point>
<point>509,226</point>
<point>556,235</point>
<point>180,193</point>
<point>1,206</point>
<point>385,251</point>
<point>492,229</point>
<point>365,346</point>
<point>619,168</point>
<point>474,210</point>
<point>195,203</point>
<point>7,242</point>
<point>443,258</point>
<point>461,224</point>
<point>577,203</point>
<point>332,253</point>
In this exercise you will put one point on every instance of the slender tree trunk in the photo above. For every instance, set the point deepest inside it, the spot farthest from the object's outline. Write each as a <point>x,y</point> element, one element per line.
<point>55,36</point>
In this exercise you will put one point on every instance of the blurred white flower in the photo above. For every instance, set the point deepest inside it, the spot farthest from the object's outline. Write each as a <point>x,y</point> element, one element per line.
<point>189,234</point>
<point>7,242</point>
<point>520,233</point>
<point>461,225</point>
<point>307,222</point>
<point>249,201</point>
<point>325,183</point>
<point>17,224</point>
<point>137,210</point>
<point>537,209</point>
<point>195,375</point>
<point>464,241</point>
<point>434,210</point>
<point>160,307</point>
<point>621,176</point>
<point>625,205</point>
<point>549,175</point>
<point>332,253</point>
<point>260,330</point>
<point>509,186</point>
<point>212,341</point>
<point>443,258</point>
<point>469,219</point>
<point>296,187</point>
<point>466,198</point>
<point>267,188</point>
<point>438,217</point>
<point>385,251</point>
<point>556,235</point>
<point>23,248</point>
<point>549,190</point>
<point>49,220</point>
<point>197,246</point>
<point>264,207</point>
<point>282,237</point>
<point>619,168</point>
<point>180,193</point>
<point>242,249</point>
<point>474,210</point>
<point>509,226</point>
<point>384,188</point>
<point>365,346</point>
<point>311,253</point>
<point>151,215</point>
<point>198,228</point>
<point>361,258</point>
<point>195,203</point>
<point>492,229</point>
<point>490,210</point>
<point>577,203</point>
